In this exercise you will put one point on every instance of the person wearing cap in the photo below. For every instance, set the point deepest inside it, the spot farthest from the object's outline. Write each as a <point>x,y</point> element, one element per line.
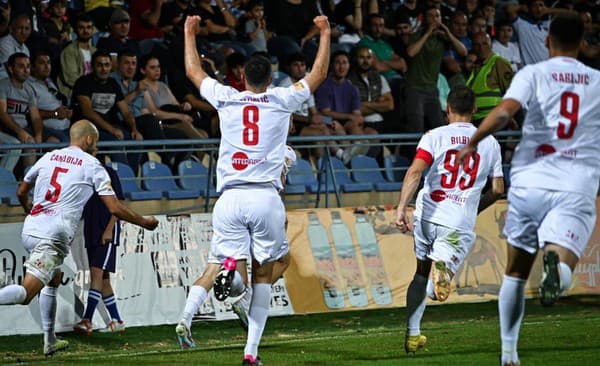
<point>118,40</point>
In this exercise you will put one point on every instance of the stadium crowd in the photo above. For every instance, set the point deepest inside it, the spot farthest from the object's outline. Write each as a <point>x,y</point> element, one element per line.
<point>120,64</point>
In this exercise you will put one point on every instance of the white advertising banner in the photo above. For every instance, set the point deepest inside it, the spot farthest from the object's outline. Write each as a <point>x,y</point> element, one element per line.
<point>154,272</point>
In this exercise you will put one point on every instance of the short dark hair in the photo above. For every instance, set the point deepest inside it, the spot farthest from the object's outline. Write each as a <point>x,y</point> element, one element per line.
<point>39,53</point>
<point>257,71</point>
<point>234,60</point>
<point>99,53</point>
<point>12,59</point>
<point>566,31</point>
<point>461,100</point>
<point>339,53</point>
<point>85,18</point>
<point>253,4</point>
<point>295,57</point>
<point>143,62</point>
<point>126,52</point>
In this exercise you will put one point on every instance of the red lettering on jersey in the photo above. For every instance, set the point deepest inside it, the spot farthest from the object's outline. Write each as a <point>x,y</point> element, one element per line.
<point>239,161</point>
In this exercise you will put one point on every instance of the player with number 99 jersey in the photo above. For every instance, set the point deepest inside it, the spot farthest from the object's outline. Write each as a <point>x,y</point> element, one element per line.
<point>451,193</point>
<point>254,129</point>
<point>559,149</point>
<point>72,176</point>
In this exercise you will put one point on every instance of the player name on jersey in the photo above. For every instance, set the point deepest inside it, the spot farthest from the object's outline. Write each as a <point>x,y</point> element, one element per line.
<point>459,140</point>
<point>67,159</point>
<point>261,99</point>
<point>571,78</point>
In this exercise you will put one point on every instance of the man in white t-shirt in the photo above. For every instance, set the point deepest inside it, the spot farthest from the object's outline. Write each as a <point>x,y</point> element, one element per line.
<point>505,48</point>
<point>446,206</point>
<point>248,217</point>
<point>554,175</point>
<point>64,180</point>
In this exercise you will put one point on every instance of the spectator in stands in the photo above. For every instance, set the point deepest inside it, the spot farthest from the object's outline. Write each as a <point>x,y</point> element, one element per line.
<point>235,68</point>
<point>307,121</point>
<point>338,98</point>
<point>385,60</point>
<point>20,30</point>
<point>146,15</point>
<point>255,28</point>
<point>98,98</point>
<point>162,102</point>
<point>221,25</point>
<point>452,62</point>
<point>375,93</point>
<point>490,77</point>
<point>291,21</point>
<point>413,10</point>
<point>76,58</point>
<point>100,11</point>
<point>134,95</point>
<point>425,50</point>
<point>118,39</point>
<point>532,29</point>
<point>17,100</point>
<point>172,15</point>
<point>56,116</point>
<point>57,27</point>
<point>348,15</point>
<point>503,46</point>
<point>590,52</point>
<point>4,18</point>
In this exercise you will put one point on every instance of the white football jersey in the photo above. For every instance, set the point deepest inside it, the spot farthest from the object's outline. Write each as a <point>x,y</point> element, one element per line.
<point>64,181</point>
<point>254,129</point>
<point>560,147</point>
<point>451,193</point>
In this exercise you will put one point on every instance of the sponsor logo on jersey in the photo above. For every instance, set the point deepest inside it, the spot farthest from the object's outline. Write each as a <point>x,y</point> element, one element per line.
<point>298,86</point>
<point>437,195</point>
<point>240,161</point>
<point>544,150</point>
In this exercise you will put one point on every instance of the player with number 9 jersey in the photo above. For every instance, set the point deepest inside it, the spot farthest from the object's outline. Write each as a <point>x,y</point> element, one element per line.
<point>254,129</point>
<point>561,128</point>
<point>451,192</point>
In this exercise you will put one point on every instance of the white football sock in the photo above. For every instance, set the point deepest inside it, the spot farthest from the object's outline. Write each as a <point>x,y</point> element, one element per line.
<point>257,316</point>
<point>511,307</point>
<point>430,290</point>
<point>237,285</point>
<point>195,298</point>
<point>416,300</point>
<point>565,273</point>
<point>48,313</point>
<point>12,295</point>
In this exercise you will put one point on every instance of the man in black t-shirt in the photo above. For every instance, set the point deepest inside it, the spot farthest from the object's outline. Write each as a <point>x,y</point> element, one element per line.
<point>98,98</point>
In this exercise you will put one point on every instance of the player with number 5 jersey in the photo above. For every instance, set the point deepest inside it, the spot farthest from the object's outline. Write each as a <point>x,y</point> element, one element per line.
<point>554,175</point>
<point>64,180</point>
<point>446,206</point>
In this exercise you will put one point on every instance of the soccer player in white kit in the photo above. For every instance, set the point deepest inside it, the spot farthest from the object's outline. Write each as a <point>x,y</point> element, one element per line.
<point>554,175</point>
<point>249,217</point>
<point>64,180</point>
<point>446,206</point>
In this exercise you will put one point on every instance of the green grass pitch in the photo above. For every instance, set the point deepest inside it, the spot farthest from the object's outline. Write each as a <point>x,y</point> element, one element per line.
<point>459,334</point>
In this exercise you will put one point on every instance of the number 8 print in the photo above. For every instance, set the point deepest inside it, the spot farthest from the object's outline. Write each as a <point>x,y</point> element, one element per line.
<point>250,119</point>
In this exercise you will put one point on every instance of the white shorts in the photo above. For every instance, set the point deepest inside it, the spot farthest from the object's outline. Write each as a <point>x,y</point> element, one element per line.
<point>248,221</point>
<point>538,216</point>
<point>442,243</point>
<point>45,257</point>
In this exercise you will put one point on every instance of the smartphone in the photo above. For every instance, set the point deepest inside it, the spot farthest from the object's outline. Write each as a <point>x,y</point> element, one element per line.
<point>327,120</point>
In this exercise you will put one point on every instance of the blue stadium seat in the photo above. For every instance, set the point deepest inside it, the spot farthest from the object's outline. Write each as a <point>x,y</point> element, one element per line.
<point>342,179</point>
<point>395,167</point>
<point>193,176</point>
<point>300,177</point>
<point>129,184</point>
<point>8,188</point>
<point>366,169</point>
<point>157,177</point>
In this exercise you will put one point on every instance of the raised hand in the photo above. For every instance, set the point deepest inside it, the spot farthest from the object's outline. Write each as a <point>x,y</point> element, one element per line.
<point>192,25</point>
<point>322,23</point>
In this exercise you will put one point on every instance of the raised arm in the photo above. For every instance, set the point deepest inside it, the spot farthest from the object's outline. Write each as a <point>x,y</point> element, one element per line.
<point>193,66</point>
<point>318,73</point>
